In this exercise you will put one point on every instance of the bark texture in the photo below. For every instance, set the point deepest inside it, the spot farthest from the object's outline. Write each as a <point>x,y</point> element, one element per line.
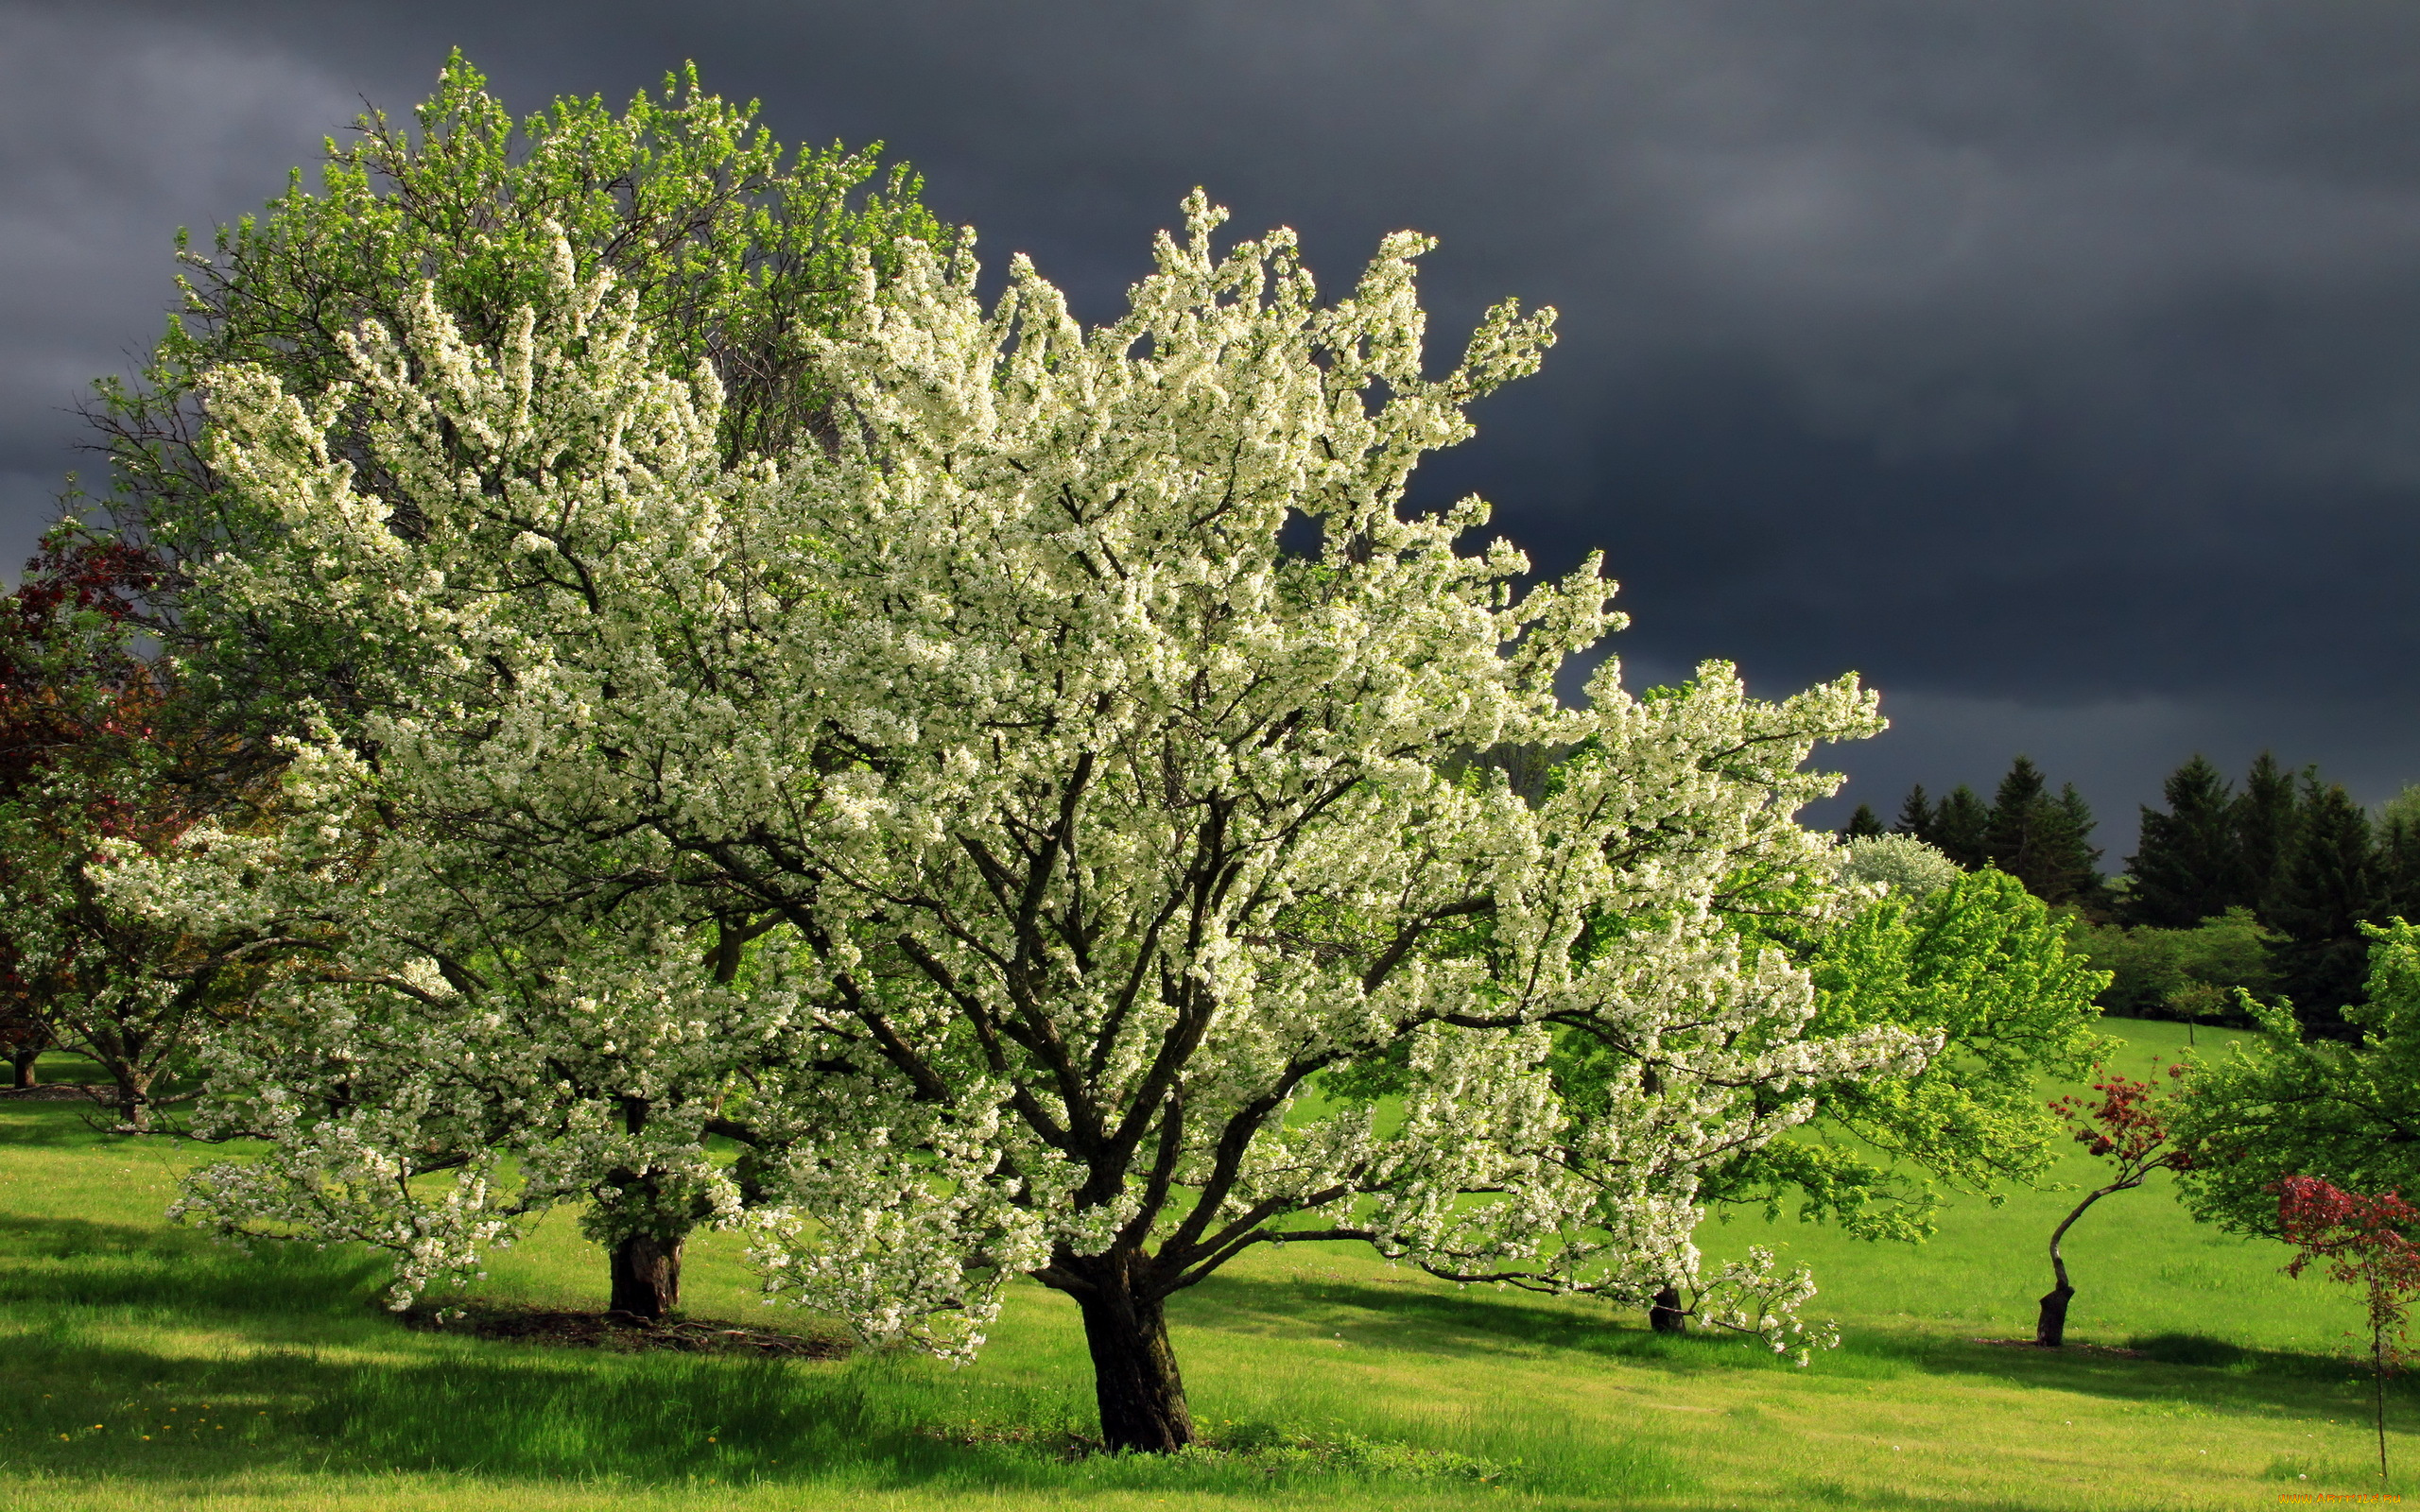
<point>133,1104</point>
<point>646,1277</point>
<point>1134,1375</point>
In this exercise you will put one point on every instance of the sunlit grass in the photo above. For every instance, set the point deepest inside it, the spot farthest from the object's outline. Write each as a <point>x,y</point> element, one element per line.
<point>1325,1378</point>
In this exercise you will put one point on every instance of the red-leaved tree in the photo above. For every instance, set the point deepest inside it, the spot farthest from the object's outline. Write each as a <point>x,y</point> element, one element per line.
<point>2364,1242</point>
<point>2128,1127</point>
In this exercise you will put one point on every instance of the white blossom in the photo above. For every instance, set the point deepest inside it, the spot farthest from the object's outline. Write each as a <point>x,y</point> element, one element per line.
<point>1124,901</point>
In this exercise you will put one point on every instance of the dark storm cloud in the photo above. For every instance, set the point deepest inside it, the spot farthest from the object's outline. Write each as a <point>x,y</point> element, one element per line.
<point>2056,365</point>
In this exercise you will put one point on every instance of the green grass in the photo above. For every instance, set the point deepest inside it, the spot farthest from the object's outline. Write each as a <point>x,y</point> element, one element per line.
<point>1325,1376</point>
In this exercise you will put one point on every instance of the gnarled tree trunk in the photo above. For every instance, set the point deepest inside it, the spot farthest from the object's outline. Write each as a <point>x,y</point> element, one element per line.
<point>646,1277</point>
<point>1134,1375</point>
<point>2050,1327</point>
<point>23,1060</point>
<point>133,1103</point>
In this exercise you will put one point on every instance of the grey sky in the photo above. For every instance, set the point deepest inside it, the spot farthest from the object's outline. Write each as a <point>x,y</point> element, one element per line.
<point>2056,365</point>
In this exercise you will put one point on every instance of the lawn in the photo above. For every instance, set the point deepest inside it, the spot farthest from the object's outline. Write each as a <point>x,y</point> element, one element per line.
<point>148,1367</point>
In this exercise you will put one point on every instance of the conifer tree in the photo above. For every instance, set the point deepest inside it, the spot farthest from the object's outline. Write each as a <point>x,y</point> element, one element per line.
<point>2040,840</point>
<point>1863,823</point>
<point>2013,835</point>
<point>2072,849</point>
<point>1916,817</point>
<point>2327,889</point>
<point>2264,827</point>
<point>2398,861</point>
<point>1961,828</point>
<point>2190,864</point>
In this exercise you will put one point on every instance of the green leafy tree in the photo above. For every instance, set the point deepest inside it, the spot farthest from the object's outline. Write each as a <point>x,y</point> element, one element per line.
<point>734,253</point>
<point>2295,1103</point>
<point>1982,963</point>
<point>735,248</point>
<point>2196,975</point>
<point>2189,866</point>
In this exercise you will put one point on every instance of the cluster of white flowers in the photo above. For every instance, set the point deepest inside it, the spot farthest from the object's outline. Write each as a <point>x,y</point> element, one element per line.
<point>1903,865</point>
<point>986,822</point>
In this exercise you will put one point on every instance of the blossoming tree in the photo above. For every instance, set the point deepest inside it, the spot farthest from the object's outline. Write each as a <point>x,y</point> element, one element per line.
<point>1125,901</point>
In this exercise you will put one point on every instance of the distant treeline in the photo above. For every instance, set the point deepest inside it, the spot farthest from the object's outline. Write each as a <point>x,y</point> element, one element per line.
<point>2263,886</point>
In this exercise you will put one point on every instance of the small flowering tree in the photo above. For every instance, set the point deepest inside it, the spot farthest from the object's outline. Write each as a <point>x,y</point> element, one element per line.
<point>96,758</point>
<point>2129,1127</point>
<point>2365,1242</point>
<point>1105,890</point>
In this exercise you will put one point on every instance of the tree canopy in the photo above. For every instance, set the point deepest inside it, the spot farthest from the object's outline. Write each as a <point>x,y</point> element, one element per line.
<point>1032,831</point>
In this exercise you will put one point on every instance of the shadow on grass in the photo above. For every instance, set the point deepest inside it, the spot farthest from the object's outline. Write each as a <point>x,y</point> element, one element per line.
<point>2186,1374</point>
<point>1428,1320</point>
<point>2177,1371</point>
<point>282,1360</point>
<point>557,1415</point>
<point>49,1264</point>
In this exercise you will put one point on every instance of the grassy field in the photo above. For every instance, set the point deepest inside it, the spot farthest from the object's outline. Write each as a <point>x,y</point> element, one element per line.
<point>146,1367</point>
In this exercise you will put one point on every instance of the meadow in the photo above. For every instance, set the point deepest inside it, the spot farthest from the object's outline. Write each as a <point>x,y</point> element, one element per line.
<point>146,1366</point>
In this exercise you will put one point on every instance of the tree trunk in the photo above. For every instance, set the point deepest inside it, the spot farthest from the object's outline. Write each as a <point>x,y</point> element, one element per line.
<point>133,1105</point>
<point>2050,1329</point>
<point>646,1277</point>
<point>1134,1375</point>
<point>25,1063</point>
<point>1666,1316</point>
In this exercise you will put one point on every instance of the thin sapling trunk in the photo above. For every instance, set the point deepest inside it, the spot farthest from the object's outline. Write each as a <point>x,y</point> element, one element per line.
<point>2050,1327</point>
<point>2128,1126</point>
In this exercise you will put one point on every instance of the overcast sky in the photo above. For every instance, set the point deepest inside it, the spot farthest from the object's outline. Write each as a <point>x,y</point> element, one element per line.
<point>2057,367</point>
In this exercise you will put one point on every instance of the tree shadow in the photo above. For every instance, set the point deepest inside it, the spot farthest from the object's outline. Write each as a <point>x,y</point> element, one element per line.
<point>2202,1372</point>
<point>2186,1373</point>
<point>1463,1324</point>
<point>52,1264</point>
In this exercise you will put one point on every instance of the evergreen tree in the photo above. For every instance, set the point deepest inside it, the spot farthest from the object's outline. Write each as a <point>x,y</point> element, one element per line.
<point>2041,841</point>
<point>2398,863</point>
<point>1916,815</point>
<point>2190,865</point>
<point>2012,837</point>
<point>1961,829</point>
<point>2264,830</point>
<point>2071,849</point>
<point>2398,856</point>
<point>1863,823</point>
<point>2327,889</point>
